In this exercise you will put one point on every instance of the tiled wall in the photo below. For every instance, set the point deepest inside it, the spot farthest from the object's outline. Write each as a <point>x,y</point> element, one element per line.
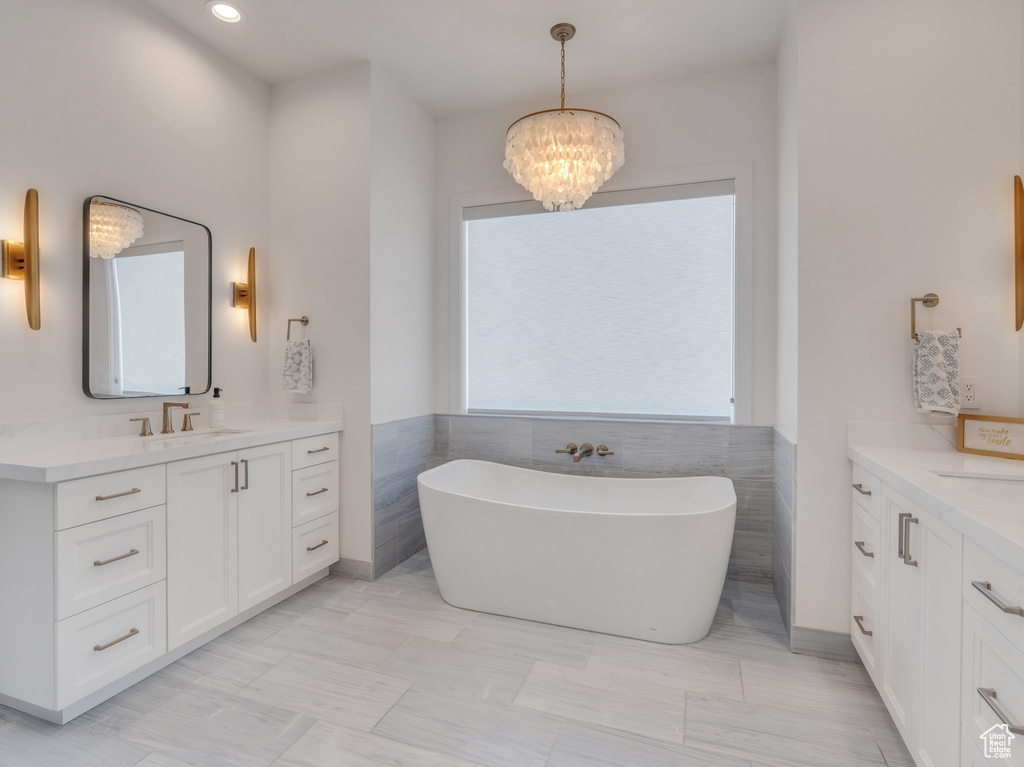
<point>782,554</point>
<point>401,451</point>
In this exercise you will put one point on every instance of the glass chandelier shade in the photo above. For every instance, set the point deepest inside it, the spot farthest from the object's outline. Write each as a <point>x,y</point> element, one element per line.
<point>112,228</point>
<point>562,156</point>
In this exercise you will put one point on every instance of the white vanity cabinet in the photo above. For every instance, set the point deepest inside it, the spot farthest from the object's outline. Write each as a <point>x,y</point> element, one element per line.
<point>229,534</point>
<point>104,579</point>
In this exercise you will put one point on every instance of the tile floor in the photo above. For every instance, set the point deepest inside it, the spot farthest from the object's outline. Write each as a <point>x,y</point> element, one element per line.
<point>354,674</point>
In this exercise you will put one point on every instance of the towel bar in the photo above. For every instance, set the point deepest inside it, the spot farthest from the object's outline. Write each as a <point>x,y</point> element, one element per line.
<point>303,319</point>
<point>929,300</point>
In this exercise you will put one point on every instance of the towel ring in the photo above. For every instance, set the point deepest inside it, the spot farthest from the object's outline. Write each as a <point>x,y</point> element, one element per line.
<point>929,300</point>
<point>303,319</point>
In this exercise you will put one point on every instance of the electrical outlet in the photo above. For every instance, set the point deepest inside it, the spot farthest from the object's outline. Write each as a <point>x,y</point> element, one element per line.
<point>971,394</point>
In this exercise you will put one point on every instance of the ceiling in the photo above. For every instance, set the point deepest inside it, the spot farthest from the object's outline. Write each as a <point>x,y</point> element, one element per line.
<point>465,55</point>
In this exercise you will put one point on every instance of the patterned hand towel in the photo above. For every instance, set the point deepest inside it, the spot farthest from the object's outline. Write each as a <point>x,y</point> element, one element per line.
<point>297,376</point>
<point>937,373</point>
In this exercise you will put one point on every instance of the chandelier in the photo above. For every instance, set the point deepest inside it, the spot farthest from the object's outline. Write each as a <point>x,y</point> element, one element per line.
<point>112,228</point>
<point>562,156</point>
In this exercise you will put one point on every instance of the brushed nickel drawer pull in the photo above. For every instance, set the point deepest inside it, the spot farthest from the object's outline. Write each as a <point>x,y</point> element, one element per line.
<point>986,588</point>
<point>314,548</point>
<point>321,490</point>
<point>246,462</point>
<point>235,488</point>
<point>131,553</point>
<point>102,647</point>
<point>989,696</point>
<point>860,625</point>
<point>321,450</point>
<point>133,491</point>
<point>903,532</point>
<point>865,552</point>
<point>906,541</point>
<point>860,489</point>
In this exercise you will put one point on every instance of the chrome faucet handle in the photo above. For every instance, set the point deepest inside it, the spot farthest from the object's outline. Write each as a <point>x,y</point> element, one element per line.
<point>186,421</point>
<point>146,430</point>
<point>603,450</point>
<point>570,449</point>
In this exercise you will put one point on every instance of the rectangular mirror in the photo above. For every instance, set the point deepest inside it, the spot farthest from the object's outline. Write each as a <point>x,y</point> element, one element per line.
<point>147,302</point>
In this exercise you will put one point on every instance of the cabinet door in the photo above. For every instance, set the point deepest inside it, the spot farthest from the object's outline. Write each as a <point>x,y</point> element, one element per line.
<point>264,523</point>
<point>202,545</point>
<point>901,647</point>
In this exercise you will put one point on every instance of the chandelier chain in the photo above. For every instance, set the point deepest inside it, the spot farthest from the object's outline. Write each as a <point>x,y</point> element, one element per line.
<point>563,73</point>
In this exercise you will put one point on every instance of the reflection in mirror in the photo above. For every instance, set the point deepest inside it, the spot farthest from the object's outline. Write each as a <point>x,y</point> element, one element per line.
<point>147,302</point>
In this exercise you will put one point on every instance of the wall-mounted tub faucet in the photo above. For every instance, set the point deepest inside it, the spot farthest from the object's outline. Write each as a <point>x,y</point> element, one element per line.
<point>570,449</point>
<point>585,449</point>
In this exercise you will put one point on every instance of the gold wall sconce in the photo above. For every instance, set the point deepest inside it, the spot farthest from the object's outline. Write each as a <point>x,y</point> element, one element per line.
<point>21,259</point>
<point>1018,260</point>
<point>243,294</point>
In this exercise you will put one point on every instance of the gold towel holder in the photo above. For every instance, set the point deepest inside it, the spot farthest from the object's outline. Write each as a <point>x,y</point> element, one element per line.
<point>929,300</point>
<point>304,320</point>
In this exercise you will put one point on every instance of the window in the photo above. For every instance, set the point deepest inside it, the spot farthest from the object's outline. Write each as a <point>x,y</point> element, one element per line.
<point>625,307</point>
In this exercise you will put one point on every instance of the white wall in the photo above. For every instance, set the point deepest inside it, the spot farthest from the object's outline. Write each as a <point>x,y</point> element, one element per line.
<point>909,137</point>
<point>320,266</point>
<point>711,118</point>
<point>107,97</point>
<point>788,110</point>
<point>402,253</point>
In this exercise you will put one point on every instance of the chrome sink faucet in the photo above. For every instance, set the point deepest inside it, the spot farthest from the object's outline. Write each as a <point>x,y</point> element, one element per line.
<point>168,427</point>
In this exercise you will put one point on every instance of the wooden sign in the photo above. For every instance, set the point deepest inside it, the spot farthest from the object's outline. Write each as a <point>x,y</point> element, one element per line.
<point>990,435</point>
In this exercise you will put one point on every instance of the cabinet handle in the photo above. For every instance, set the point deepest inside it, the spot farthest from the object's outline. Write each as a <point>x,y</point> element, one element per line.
<point>860,489</point>
<point>860,625</point>
<point>906,541</point>
<point>235,488</point>
<point>314,548</point>
<point>989,696</point>
<point>102,647</point>
<point>903,528</point>
<point>321,450</point>
<point>131,553</point>
<point>245,462</point>
<point>865,552</point>
<point>986,588</point>
<point>133,491</point>
<point>317,492</point>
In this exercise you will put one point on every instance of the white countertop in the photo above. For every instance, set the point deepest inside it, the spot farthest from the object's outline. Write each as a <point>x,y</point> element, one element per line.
<point>991,512</point>
<point>82,458</point>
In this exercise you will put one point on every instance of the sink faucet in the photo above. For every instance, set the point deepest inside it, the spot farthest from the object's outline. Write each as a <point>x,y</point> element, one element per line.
<point>585,449</point>
<point>168,427</point>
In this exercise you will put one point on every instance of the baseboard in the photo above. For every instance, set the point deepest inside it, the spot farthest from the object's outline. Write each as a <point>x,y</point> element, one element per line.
<point>823,644</point>
<point>353,568</point>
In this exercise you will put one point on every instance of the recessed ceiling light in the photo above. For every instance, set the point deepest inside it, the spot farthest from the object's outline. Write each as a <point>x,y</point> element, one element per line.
<point>224,11</point>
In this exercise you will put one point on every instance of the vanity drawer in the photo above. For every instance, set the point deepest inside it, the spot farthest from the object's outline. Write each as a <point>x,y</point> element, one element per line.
<point>314,546</point>
<point>869,492</point>
<point>867,549</point>
<point>865,633</point>
<point>993,665</point>
<point>314,450</point>
<point>81,501</point>
<point>107,559</point>
<point>99,646</point>
<point>1005,585</point>
<point>314,492</point>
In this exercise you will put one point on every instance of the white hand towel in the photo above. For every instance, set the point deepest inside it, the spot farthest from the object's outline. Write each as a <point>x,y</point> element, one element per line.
<point>297,376</point>
<point>937,372</point>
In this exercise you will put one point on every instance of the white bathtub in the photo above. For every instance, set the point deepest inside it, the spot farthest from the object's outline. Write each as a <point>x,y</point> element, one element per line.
<point>643,558</point>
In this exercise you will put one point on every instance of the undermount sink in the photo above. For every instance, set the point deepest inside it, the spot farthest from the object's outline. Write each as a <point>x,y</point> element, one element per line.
<point>198,436</point>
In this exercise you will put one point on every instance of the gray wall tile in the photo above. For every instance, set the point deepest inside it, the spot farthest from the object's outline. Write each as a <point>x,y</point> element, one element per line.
<point>385,448</point>
<point>393,487</point>
<point>783,587</point>
<point>824,644</point>
<point>442,425</point>
<point>415,440</point>
<point>754,505</point>
<point>684,449</point>
<point>550,434</point>
<point>491,438</point>
<point>782,528</point>
<point>785,462</point>
<point>751,558</point>
<point>751,450</point>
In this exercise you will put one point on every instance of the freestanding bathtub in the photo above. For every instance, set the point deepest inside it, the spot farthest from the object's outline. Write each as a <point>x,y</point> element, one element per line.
<point>643,558</point>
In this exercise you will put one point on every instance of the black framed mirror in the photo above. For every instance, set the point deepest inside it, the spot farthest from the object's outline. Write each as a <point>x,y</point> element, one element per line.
<point>147,302</point>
